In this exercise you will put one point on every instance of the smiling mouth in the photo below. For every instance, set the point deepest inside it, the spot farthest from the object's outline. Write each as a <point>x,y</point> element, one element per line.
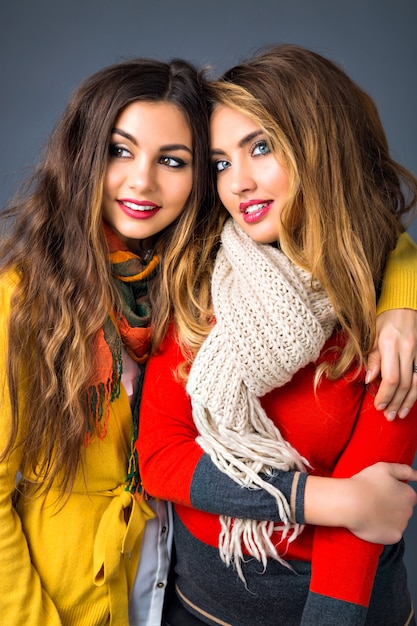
<point>141,208</point>
<point>255,207</point>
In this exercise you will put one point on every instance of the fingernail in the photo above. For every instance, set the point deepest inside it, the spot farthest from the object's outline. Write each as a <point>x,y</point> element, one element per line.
<point>391,416</point>
<point>403,413</point>
<point>381,407</point>
<point>367,377</point>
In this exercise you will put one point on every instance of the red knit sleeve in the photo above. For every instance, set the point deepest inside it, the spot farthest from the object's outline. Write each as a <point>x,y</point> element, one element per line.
<point>168,453</point>
<point>343,566</point>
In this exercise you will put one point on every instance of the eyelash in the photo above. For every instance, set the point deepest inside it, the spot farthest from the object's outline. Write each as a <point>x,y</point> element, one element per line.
<point>216,166</point>
<point>120,152</point>
<point>258,144</point>
<point>179,162</point>
<point>116,151</point>
<point>262,143</point>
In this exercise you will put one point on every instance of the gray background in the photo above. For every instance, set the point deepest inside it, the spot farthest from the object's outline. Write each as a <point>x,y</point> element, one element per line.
<point>48,46</point>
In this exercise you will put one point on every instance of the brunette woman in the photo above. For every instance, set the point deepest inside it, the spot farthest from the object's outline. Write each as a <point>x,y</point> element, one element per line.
<point>123,179</point>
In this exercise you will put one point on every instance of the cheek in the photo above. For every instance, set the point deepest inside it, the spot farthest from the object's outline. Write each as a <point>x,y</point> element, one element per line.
<point>111,179</point>
<point>277,179</point>
<point>223,192</point>
<point>180,191</point>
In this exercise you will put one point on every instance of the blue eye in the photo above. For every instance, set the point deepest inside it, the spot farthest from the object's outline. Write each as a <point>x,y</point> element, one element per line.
<point>261,148</point>
<point>220,166</point>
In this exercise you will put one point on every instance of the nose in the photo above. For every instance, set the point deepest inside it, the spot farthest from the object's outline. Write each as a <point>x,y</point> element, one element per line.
<point>142,176</point>
<point>241,177</point>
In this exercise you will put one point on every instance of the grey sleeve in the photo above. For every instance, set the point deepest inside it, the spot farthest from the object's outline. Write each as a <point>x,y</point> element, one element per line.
<point>215,492</point>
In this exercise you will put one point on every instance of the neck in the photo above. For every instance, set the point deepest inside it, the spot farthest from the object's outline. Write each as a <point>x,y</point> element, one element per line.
<point>144,248</point>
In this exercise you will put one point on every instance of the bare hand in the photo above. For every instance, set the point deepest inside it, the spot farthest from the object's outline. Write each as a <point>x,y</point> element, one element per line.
<point>393,356</point>
<point>383,504</point>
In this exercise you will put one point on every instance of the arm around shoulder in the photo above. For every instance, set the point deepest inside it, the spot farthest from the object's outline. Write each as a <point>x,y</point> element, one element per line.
<point>399,289</point>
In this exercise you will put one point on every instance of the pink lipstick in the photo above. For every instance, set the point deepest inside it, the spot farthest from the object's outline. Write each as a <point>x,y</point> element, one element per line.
<point>254,210</point>
<point>138,209</point>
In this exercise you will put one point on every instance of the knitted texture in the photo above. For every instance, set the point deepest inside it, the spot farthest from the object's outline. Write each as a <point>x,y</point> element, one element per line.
<point>271,320</point>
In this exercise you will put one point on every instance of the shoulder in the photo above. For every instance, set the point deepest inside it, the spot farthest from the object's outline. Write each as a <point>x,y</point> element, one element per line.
<point>170,349</point>
<point>9,280</point>
<point>9,277</point>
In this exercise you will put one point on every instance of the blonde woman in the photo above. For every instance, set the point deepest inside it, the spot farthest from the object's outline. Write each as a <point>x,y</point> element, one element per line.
<point>256,418</point>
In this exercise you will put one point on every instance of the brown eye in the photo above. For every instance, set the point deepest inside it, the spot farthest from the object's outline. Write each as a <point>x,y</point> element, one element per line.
<point>174,162</point>
<point>118,151</point>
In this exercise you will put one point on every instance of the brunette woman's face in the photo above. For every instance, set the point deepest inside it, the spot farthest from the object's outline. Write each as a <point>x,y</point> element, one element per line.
<point>149,173</point>
<point>252,184</point>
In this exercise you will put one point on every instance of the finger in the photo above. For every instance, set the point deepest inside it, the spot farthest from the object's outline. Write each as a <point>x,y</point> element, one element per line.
<point>398,374</point>
<point>386,354</point>
<point>397,345</point>
<point>402,471</point>
<point>390,395</point>
<point>409,399</point>
<point>373,365</point>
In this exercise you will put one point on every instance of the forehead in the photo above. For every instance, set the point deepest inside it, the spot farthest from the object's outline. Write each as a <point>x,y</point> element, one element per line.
<point>163,121</point>
<point>229,126</point>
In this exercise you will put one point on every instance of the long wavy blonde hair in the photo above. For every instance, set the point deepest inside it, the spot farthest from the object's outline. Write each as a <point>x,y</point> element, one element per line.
<point>55,244</point>
<point>347,198</point>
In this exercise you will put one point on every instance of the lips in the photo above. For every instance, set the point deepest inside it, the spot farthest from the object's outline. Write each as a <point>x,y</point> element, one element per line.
<point>138,209</point>
<point>254,210</point>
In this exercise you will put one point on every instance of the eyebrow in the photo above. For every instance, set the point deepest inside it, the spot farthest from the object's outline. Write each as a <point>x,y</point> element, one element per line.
<point>167,148</point>
<point>245,140</point>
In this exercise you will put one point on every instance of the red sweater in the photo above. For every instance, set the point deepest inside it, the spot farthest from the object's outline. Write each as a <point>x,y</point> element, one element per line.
<point>338,430</point>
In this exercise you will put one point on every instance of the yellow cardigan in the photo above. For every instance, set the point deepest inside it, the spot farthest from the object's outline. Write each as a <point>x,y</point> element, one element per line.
<point>400,288</point>
<point>75,564</point>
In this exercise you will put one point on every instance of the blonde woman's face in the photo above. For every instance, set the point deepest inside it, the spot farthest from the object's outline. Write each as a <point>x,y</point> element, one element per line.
<point>149,173</point>
<point>252,184</point>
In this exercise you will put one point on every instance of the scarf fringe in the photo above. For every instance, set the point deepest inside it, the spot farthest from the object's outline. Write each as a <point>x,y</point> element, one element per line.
<point>99,399</point>
<point>255,537</point>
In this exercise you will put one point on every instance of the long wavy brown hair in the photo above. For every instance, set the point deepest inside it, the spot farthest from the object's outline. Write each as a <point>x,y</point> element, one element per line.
<point>54,243</point>
<point>348,196</point>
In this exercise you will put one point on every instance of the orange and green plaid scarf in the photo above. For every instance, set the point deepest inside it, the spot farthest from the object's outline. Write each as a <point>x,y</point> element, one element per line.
<point>128,326</point>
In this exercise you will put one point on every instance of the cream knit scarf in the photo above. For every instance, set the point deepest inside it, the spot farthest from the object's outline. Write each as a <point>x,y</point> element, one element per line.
<point>270,322</point>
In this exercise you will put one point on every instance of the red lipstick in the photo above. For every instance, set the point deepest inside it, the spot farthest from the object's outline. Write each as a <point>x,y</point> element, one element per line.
<point>254,210</point>
<point>138,209</point>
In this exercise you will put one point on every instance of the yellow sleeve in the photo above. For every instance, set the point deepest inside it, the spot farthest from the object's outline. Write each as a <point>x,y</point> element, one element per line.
<point>399,288</point>
<point>23,600</point>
